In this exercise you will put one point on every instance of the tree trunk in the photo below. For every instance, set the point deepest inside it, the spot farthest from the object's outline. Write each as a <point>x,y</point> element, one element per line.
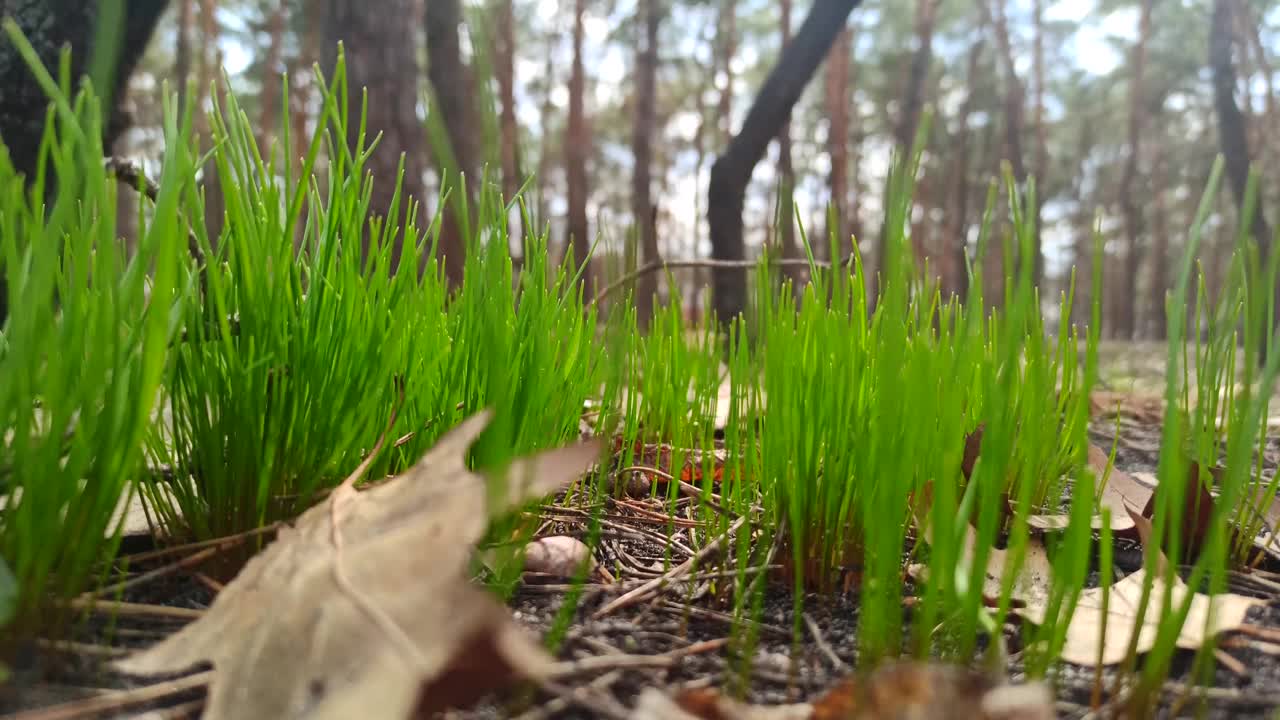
<point>451,81</point>
<point>1133,219</point>
<point>728,43</point>
<point>1160,258</point>
<point>918,77</point>
<point>182,53</point>
<point>955,273</point>
<point>732,170</point>
<point>545,156</point>
<point>787,172</point>
<point>269,119</point>
<point>1232,134</point>
<point>505,72</point>
<point>1014,100</point>
<point>1040,168</point>
<point>837,102</point>
<point>210,64</point>
<point>576,148</point>
<point>645,111</point>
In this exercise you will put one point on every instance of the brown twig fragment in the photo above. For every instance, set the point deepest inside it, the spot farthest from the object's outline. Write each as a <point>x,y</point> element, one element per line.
<point>116,700</point>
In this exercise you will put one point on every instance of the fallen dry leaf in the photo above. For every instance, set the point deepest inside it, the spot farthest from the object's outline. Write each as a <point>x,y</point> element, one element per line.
<point>706,704</point>
<point>932,692</point>
<point>557,555</point>
<point>1121,488</point>
<point>1030,587</point>
<point>1094,637</point>
<point>1084,632</point>
<point>363,608</point>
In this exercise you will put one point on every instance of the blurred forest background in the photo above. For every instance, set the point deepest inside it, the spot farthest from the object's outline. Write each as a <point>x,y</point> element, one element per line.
<point>615,110</point>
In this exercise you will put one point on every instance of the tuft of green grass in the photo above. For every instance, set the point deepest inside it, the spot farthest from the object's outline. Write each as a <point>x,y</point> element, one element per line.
<point>82,353</point>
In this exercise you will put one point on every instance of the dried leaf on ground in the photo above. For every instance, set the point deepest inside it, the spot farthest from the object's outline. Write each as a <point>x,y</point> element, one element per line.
<point>1030,587</point>
<point>1095,637</point>
<point>932,692</point>
<point>706,704</point>
<point>1146,409</point>
<point>364,608</point>
<point>1085,631</point>
<point>1121,488</point>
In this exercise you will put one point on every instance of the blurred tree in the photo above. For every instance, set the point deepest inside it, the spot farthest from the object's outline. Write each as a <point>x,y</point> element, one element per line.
<point>643,209</point>
<point>453,90</point>
<point>577,147</point>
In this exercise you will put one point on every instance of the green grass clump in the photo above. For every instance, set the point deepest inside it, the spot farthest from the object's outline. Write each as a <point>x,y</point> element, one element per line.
<point>82,352</point>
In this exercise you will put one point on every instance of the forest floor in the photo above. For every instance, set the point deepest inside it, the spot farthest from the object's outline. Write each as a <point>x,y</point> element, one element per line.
<point>679,639</point>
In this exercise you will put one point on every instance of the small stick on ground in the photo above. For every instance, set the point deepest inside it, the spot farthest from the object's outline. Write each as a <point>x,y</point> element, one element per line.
<point>146,577</point>
<point>128,609</point>
<point>650,588</point>
<point>117,700</point>
<point>822,644</point>
<point>559,704</point>
<point>600,705</point>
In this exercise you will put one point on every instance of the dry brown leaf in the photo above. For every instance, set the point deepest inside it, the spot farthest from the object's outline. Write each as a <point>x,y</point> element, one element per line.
<point>373,617</point>
<point>1084,632</point>
<point>1121,488</point>
<point>932,692</point>
<point>1032,583</point>
<point>707,704</point>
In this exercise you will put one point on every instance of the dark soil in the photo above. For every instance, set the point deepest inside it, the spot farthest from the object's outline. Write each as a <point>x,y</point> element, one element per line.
<point>690,625</point>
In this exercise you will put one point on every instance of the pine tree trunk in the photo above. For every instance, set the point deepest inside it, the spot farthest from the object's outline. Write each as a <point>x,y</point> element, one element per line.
<point>1232,133</point>
<point>642,208</point>
<point>269,119</point>
<point>451,81</point>
<point>182,52</point>
<point>210,64</point>
<point>955,274</point>
<point>577,147</point>
<point>786,172</point>
<point>772,107</point>
<point>505,72</point>
<point>836,98</point>
<point>1133,219</point>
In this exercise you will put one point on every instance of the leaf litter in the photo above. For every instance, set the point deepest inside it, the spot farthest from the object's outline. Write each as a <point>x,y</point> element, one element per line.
<point>364,608</point>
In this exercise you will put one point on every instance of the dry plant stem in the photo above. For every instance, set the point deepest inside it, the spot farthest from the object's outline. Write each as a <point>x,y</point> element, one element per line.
<point>116,700</point>
<point>78,648</point>
<point>600,705</point>
<point>686,489</point>
<point>1230,662</point>
<point>128,609</point>
<point>836,662</point>
<point>190,560</point>
<point>222,541</point>
<point>647,590</point>
<point>132,175</point>
<point>559,704</point>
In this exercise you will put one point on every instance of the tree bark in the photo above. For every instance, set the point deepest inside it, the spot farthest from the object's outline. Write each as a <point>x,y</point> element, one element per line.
<point>728,44</point>
<point>505,72</point>
<point>772,107</point>
<point>451,80</point>
<point>1040,166</point>
<point>1160,258</point>
<point>644,118</point>
<point>837,101</point>
<point>269,118</point>
<point>182,53</point>
<point>576,147</point>
<point>917,78</point>
<point>210,67</point>
<point>1232,133</point>
<point>955,272</point>
<point>787,171</point>
<point>1127,313</point>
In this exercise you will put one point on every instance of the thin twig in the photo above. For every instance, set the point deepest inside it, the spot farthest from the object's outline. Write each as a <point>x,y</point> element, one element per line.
<point>115,700</point>
<point>600,705</point>
<point>190,560</point>
<point>128,609</point>
<point>655,265</point>
<point>822,644</point>
<point>222,541</point>
<point>647,590</point>
<point>132,175</point>
<point>557,705</point>
<point>71,647</point>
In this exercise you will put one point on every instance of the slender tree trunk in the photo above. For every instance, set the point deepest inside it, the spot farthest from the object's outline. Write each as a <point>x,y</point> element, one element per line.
<point>787,173</point>
<point>545,156</point>
<point>728,42</point>
<point>577,145</point>
<point>506,72</point>
<point>732,170</point>
<point>954,253</point>
<point>1082,250</point>
<point>269,120</point>
<point>451,82</point>
<point>836,97</point>
<point>210,82</point>
<point>182,53</point>
<point>642,208</point>
<point>1126,324</point>
<point>1160,256</point>
<point>1040,167</point>
<point>1232,133</point>
<point>1014,101</point>
<point>918,77</point>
